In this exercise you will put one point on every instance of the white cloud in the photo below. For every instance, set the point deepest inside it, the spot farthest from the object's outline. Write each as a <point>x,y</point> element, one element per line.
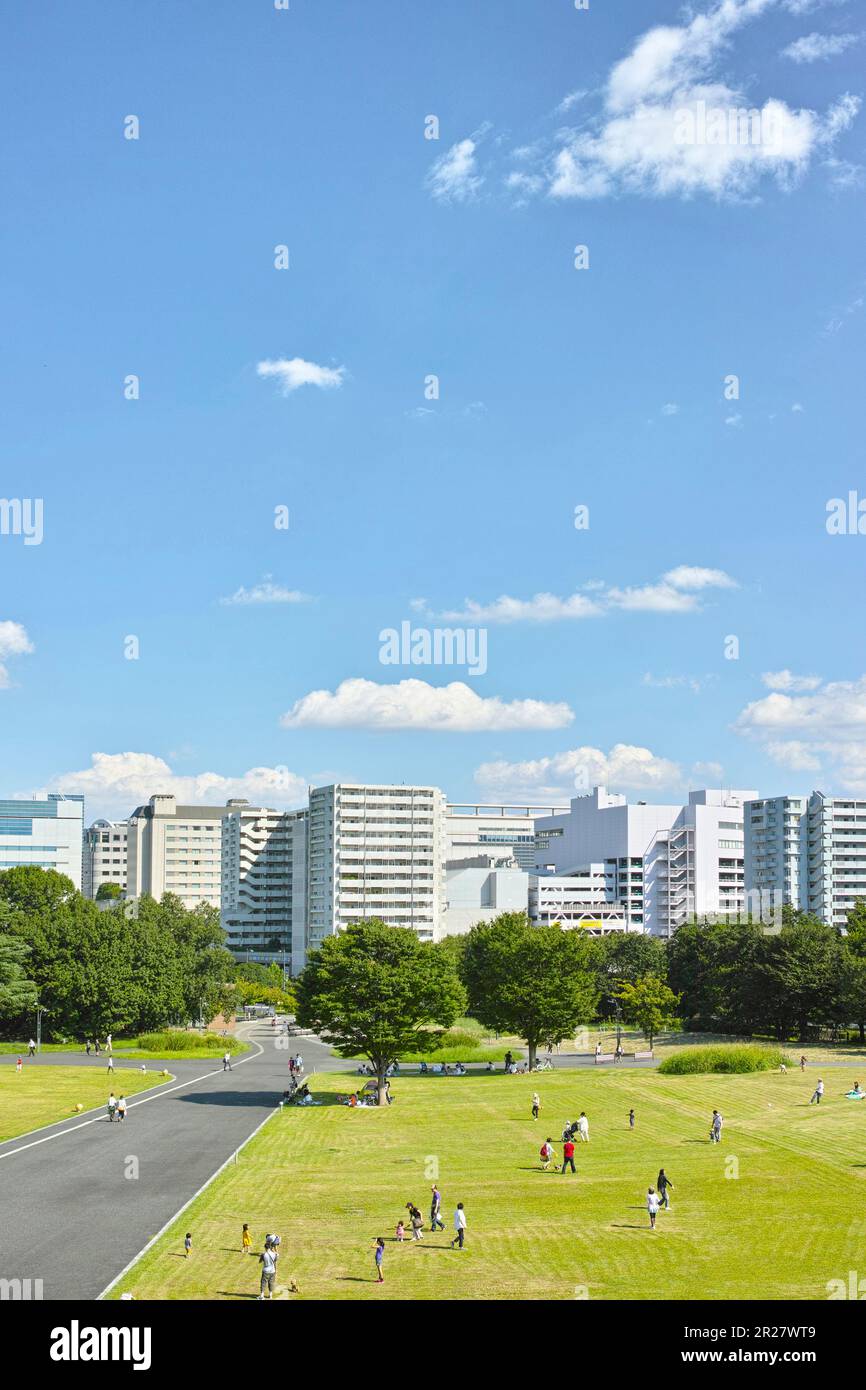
<point>414,704</point>
<point>541,608</point>
<point>672,123</point>
<point>115,783</point>
<point>788,682</point>
<point>265,592</point>
<point>294,372</point>
<point>13,642</point>
<point>454,176</point>
<point>676,592</point>
<point>813,47</point>
<point>571,100</point>
<point>734,421</point>
<point>556,778</point>
<point>670,409</point>
<point>822,729</point>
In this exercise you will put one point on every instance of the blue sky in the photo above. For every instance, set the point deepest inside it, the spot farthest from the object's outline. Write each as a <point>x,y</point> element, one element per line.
<point>558,388</point>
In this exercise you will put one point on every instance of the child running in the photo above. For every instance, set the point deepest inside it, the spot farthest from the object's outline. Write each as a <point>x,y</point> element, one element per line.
<point>652,1206</point>
<point>546,1154</point>
<point>380,1257</point>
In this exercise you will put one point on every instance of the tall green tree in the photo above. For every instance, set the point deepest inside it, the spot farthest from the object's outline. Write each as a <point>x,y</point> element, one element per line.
<point>536,982</point>
<point>17,992</point>
<point>377,991</point>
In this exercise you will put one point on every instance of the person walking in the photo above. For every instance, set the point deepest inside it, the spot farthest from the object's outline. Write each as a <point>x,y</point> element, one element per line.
<point>436,1209</point>
<point>631,1119</point>
<point>87,1047</point>
<point>597,1050</point>
<point>802,1064</point>
<point>300,1062</point>
<point>617,1056</point>
<point>96,1047</point>
<point>546,1154</point>
<point>568,1156</point>
<point>121,1108</point>
<point>459,1227</point>
<point>817,1094</point>
<point>187,1245</point>
<point>31,1048</point>
<point>108,1042</point>
<point>246,1240</point>
<point>664,1187</point>
<point>716,1128</point>
<point>18,1064</point>
<point>268,1261</point>
<point>380,1258</point>
<point>652,1206</point>
<point>112,1107</point>
<point>110,1067</point>
<point>583,1128</point>
<point>536,1104</point>
<point>227,1061</point>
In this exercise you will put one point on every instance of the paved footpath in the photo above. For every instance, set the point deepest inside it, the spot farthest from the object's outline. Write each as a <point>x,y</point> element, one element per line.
<point>71,1217</point>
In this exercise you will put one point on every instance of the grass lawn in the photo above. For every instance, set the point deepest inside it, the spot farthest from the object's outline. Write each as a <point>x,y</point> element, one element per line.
<point>41,1095</point>
<point>125,1048</point>
<point>774,1211</point>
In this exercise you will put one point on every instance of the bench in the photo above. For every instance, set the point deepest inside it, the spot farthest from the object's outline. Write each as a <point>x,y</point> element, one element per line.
<point>603,1057</point>
<point>644,1056</point>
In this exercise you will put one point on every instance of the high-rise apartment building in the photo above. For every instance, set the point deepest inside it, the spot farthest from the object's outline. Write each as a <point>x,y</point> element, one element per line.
<point>104,856</point>
<point>264,884</point>
<point>810,853</point>
<point>375,851</point>
<point>176,849</point>
<point>47,834</point>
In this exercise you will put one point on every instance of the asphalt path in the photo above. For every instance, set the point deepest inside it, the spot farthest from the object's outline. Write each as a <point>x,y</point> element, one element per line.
<point>80,1199</point>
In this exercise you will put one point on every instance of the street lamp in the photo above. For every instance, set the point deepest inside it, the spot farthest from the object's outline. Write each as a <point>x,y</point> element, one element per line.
<point>39,1012</point>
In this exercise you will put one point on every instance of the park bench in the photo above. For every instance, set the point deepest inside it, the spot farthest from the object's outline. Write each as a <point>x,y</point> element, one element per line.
<point>603,1057</point>
<point>644,1056</point>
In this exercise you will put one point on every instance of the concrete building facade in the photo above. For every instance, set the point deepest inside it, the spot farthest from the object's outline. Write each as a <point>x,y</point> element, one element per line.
<point>264,884</point>
<point>104,856</point>
<point>177,849</point>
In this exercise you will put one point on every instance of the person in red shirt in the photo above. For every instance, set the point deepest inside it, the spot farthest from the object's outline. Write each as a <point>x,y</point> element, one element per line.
<point>568,1156</point>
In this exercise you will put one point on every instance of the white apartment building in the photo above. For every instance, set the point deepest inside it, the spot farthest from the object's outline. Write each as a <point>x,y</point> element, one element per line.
<point>472,829</point>
<point>264,884</point>
<point>666,864</point>
<point>810,853</point>
<point>375,851</point>
<point>478,888</point>
<point>104,856</point>
<point>176,849</point>
<point>46,834</point>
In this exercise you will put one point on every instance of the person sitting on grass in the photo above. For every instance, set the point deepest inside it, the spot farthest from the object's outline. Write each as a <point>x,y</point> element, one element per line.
<point>856,1094</point>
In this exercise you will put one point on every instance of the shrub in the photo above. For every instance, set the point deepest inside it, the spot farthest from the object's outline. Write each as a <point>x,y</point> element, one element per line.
<point>723,1057</point>
<point>176,1040</point>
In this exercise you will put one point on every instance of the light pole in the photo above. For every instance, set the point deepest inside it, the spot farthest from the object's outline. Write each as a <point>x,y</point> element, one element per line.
<point>39,1012</point>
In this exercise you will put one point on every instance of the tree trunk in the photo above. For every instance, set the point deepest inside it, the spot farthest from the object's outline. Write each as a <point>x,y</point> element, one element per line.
<point>533,1053</point>
<point>381,1068</point>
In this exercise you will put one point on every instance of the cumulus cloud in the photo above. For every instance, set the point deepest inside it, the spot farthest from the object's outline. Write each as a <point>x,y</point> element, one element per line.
<point>294,372</point>
<point>13,642</point>
<point>454,176</point>
<point>115,783</point>
<point>820,729</point>
<point>671,121</point>
<point>265,592</point>
<point>788,682</point>
<point>573,772</point>
<point>414,704</point>
<point>813,47</point>
<point>676,592</point>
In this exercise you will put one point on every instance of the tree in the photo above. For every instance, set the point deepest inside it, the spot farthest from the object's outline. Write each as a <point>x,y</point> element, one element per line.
<point>649,1003</point>
<point>377,991</point>
<point>108,891</point>
<point>533,981</point>
<point>17,993</point>
<point>623,957</point>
